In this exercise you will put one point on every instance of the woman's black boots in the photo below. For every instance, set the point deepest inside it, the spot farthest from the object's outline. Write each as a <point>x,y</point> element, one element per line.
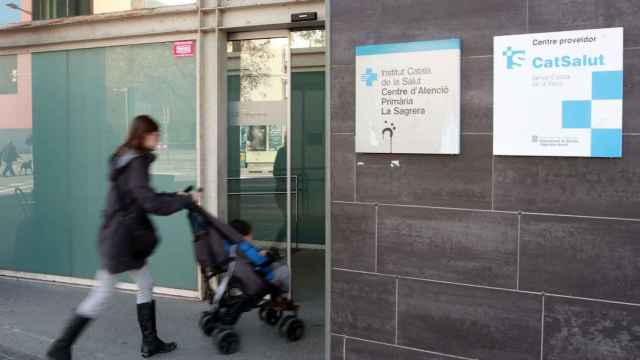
<point>61,348</point>
<point>151,344</point>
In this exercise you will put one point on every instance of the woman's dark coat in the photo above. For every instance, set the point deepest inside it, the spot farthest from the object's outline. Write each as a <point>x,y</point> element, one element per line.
<point>126,244</point>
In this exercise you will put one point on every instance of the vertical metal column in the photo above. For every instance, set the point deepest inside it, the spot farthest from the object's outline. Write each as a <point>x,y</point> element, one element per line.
<point>289,135</point>
<point>328,140</point>
<point>212,113</point>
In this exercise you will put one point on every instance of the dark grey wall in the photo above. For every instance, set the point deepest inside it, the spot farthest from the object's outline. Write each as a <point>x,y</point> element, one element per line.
<point>478,256</point>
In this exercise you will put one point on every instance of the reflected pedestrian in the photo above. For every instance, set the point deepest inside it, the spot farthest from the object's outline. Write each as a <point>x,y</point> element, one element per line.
<point>280,178</point>
<point>9,156</point>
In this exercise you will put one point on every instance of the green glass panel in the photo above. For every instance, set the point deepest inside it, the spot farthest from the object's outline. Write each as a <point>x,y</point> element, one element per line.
<point>83,102</point>
<point>235,158</point>
<point>10,216</point>
<point>308,154</point>
<point>87,153</point>
<point>267,212</point>
<point>149,79</point>
<point>45,247</point>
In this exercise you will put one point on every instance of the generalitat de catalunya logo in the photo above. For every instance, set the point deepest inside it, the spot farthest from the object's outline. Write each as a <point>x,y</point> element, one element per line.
<point>369,77</point>
<point>515,58</point>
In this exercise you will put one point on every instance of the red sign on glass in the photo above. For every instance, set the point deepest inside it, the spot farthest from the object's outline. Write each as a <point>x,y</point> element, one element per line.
<point>184,48</point>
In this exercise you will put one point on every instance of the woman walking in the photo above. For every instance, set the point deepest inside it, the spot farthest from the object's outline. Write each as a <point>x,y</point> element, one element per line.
<point>127,239</point>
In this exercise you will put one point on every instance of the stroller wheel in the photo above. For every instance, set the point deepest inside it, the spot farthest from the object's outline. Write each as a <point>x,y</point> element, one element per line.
<point>228,342</point>
<point>282,328</point>
<point>294,329</point>
<point>262,313</point>
<point>272,316</point>
<point>207,323</point>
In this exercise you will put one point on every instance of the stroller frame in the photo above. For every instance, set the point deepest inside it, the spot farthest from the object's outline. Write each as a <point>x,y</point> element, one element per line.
<point>227,307</point>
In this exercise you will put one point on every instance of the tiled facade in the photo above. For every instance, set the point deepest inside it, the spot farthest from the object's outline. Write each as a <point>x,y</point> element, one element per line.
<point>479,256</point>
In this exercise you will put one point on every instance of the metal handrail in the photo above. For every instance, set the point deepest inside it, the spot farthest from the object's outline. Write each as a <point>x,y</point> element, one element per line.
<point>261,177</point>
<point>256,193</point>
<point>262,193</point>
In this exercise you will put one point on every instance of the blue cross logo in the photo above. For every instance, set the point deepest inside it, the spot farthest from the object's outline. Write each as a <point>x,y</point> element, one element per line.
<point>514,59</point>
<point>369,77</point>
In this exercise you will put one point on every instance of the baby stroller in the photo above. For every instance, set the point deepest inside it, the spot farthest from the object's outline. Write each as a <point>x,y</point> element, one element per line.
<point>240,288</point>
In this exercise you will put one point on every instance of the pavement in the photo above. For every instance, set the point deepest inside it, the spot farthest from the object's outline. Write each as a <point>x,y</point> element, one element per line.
<point>9,184</point>
<point>33,313</point>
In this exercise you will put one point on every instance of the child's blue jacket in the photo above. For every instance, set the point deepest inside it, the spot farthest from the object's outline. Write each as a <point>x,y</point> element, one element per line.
<point>253,254</point>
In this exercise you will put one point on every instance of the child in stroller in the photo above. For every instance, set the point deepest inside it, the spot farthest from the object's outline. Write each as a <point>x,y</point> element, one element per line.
<point>267,263</point>
<point>223,252</point>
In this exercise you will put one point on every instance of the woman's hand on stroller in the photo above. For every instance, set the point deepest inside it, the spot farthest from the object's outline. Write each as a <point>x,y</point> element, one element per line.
<point>196,195</point>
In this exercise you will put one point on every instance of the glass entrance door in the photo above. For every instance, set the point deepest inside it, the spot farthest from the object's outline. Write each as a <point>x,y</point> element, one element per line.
<point>259,121</point>
<point>276,102</point>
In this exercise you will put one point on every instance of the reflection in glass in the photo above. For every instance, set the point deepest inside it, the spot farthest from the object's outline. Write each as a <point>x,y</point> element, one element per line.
<point>16,159</point>
<point>258,104</point>
<point>80,103</point>
<point>263,72</point>
<point>14,11</point>
<point>307,39</point>
<point>257,138</point>
<point>301,39</point>
<point>258,81</point>
<point>105,6</point>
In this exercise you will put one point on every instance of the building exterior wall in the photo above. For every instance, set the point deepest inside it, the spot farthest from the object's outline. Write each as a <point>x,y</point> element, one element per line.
<point>75,8</point>
<point>74,83</point>
<point>481,256</point>
<point>70,110</point>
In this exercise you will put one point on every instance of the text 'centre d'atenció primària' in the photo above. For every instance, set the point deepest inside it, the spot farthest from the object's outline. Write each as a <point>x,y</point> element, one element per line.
<point>401,87</point>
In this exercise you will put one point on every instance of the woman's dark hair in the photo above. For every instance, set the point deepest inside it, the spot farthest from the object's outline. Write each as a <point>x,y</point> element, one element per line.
<point>141,126</point>
<point>241,226</point>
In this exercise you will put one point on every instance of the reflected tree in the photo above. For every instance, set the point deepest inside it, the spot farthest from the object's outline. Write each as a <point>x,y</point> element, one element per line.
<point>255,58</point>
<point>308,39</point>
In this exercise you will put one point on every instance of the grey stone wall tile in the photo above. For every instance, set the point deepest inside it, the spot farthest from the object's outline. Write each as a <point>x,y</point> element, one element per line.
<point>471,247</point>
<point>561,15</point>
<point>435,180</point>
<point>592,258</point>
<point>358,22</point>
<point>343,99</point>
<point>467,321</point>
<point>363,350</point>
<point>631,102</point>
<point>337,347</point>
<point>584,257</point>
<point>576,186</point>
<point>589,330</point>
<point>353,230</point>
<point>363,306</point>
<point>353,22</point>
<point>343,167</point>
<point>477,94</point>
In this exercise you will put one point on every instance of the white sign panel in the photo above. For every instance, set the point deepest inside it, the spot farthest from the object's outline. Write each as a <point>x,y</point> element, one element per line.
<point>408,98</point>
<point>558,94</point>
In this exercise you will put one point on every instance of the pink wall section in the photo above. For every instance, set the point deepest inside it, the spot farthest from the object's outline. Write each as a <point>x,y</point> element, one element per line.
<point>26,4</point>
<point>15,110</point>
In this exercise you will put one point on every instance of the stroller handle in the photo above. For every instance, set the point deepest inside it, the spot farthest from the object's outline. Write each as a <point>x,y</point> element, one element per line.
<point>190,188</point>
